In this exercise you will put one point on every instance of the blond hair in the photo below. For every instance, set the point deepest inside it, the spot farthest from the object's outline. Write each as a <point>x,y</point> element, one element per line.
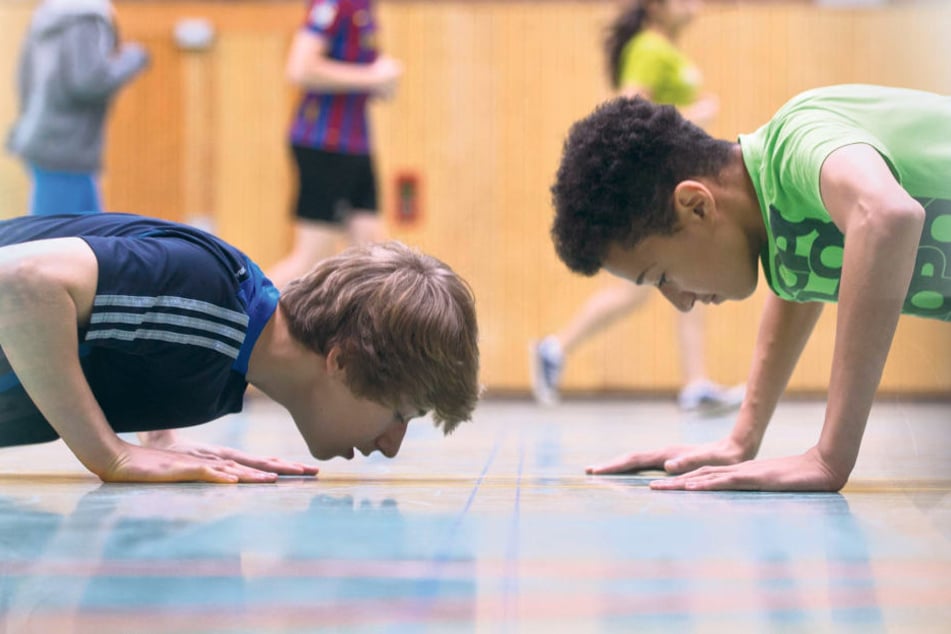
<point>404,324</point>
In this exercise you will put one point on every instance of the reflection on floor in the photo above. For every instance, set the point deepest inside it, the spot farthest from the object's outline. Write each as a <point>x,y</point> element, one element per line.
<point>495,529</point>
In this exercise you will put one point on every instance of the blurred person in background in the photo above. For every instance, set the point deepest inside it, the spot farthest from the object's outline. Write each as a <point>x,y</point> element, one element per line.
<point>71,65</point>
<point>335,61</point>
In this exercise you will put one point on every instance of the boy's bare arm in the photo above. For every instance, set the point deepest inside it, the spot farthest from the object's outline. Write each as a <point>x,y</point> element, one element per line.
<point>882,226</point>
<point>784,330</point>
<point>47,289</point>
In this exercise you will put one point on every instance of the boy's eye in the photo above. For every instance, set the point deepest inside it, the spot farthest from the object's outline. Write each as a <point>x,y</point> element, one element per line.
<point>404,419</point>
<point>662,280</point>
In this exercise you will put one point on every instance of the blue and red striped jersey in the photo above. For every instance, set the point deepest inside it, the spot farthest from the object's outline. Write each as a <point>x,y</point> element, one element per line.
<point>337,122</point>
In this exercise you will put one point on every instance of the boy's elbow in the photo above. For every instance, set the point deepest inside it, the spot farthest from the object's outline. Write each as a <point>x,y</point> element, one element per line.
<point>293,74</point>
<point>297,72</point>
<point>905,213</point>
<point>894,219</point>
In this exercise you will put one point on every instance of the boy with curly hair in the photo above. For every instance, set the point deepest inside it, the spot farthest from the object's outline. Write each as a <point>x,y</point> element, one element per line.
<point>844,196</point>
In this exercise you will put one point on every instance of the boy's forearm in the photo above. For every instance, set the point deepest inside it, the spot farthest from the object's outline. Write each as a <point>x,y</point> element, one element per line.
<point>309,67</point>
<point>878,262</point>
<point>784,330</point>
<point>331,76</point>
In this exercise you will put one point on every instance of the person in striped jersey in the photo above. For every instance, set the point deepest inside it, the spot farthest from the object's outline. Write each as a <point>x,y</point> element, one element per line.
<point>335,61</point>
<point>119,323</point>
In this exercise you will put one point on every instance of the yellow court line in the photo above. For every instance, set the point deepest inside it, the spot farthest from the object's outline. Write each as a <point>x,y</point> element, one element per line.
<point>890,486</point>
<point>48,478</point>
<point>575,482</point>
<point>533,482</point>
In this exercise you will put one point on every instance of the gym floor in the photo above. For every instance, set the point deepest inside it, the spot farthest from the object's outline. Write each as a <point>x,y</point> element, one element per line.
<point>494,529</point>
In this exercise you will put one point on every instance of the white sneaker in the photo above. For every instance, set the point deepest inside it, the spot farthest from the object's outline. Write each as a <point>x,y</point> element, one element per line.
<point>547,361</point>
<point>710,399</point>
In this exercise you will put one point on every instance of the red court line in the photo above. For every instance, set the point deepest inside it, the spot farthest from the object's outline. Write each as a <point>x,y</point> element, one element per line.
<point>932,570</point>
<point>535,607</point>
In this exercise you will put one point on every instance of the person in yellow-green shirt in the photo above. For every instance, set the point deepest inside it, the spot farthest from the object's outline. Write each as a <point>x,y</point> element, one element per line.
<point>644,60</point>
<point>843,196</point>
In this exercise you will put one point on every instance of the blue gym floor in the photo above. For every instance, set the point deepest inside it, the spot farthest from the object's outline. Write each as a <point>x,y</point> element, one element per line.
<point>494,529</point>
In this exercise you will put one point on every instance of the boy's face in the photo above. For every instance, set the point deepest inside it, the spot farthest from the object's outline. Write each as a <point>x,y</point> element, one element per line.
<point>341,424</point>
<point>698,263</point>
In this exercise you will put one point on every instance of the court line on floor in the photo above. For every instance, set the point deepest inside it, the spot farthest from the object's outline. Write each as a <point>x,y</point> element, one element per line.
<point>510,587</point>
<point>576,569</point>
<point>427,589</point>
<point>484,481</point>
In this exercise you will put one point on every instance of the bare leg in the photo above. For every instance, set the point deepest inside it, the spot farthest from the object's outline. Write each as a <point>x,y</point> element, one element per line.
<point>690,333</point>
<point>699,393</point>
<point>601,310</point>
<point>313,241</point>
<point>364,227</point>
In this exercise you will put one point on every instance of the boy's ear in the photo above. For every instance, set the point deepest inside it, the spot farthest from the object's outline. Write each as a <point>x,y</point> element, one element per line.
<point>333,361</point>
<point>692,201</point>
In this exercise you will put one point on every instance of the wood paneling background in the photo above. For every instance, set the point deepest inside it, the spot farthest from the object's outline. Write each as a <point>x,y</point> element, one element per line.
<point>491,87</point>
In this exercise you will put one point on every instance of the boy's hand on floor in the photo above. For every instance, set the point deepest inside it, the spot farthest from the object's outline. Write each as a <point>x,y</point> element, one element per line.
<point>149,464</point>
<point>271,464</point>
<point>192,462</point>
<point>807,472</point>
<point>674,459</point>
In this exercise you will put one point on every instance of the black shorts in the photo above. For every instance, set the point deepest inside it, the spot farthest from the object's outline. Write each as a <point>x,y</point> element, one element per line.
<point>331,185</point>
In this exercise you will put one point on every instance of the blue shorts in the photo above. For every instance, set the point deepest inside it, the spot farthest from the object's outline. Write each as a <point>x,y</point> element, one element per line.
<point>63,192</point>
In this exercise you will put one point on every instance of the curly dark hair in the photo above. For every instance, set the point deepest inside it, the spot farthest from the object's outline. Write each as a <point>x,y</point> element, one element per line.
<point>618,171</point>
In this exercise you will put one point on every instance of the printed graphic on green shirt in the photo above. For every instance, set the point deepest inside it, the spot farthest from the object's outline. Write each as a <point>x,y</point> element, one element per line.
<point>928,295</point>
<point>807,261</point>
<point>808,258</point>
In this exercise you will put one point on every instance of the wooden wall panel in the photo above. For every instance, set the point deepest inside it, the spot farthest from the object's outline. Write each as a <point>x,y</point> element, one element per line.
<point>14,184</point>
<point>145,138</point>
<point>490,90</point>
<point>252,170</point>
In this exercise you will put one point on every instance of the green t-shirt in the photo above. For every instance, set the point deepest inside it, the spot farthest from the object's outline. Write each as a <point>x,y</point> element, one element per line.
<point>652,62</point>
<point>910,129</point>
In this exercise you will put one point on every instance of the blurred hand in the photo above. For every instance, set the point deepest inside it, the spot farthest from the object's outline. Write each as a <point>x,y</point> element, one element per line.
<point>703,111</point>
<point>387,72</point>
<point>137,54</point>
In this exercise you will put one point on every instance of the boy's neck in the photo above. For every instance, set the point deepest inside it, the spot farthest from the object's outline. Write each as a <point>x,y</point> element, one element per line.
<point>280,366</point>
<point>739,196</point>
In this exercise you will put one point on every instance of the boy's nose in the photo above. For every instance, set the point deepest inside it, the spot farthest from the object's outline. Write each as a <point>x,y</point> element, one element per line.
<point>390,441</point>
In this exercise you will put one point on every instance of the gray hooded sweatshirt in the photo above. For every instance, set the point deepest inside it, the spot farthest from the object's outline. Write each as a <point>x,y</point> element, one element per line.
<point>69,71</point>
